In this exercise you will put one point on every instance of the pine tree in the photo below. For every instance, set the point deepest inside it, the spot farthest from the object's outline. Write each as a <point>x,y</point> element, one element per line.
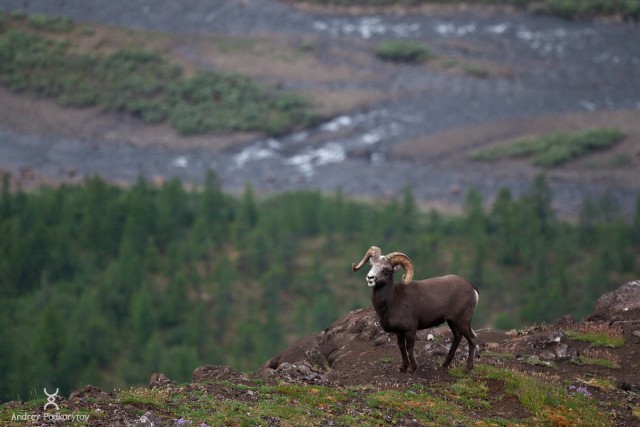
<point>175,302</point>
<point>409,210</point>
<point>540,198</point>
<point>636,220</point>
<point>174,215</point>
<point>101,219</point>
<point>244,219</point>
<point>153,353</point>
<point>52,335</point>
<point>7,352</point>
<point>141,316</point>
<point>224,279</point>
<point>5,197</point>
<point>506,231</point>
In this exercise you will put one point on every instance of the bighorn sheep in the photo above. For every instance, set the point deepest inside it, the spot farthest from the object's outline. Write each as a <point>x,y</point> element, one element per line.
<point>407,306</point>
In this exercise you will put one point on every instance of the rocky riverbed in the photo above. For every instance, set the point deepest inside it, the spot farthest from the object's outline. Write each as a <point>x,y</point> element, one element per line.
<point>497,74</point>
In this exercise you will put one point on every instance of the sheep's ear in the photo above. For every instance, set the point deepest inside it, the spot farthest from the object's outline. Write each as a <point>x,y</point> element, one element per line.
<point>397,267</point>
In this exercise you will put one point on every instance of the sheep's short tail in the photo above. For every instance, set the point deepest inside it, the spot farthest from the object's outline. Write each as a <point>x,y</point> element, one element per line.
<point>477,299</point>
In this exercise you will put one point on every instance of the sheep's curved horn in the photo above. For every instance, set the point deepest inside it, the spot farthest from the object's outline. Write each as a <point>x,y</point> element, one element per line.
<point>398,258</point>
<point>372,252</point>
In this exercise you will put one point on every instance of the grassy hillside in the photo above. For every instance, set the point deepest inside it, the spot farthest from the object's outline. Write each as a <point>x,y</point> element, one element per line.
<point>460,400</point>
<point>510,386</point>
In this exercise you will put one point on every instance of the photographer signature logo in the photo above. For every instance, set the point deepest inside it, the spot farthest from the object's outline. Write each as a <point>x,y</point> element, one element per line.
<point>51,399</point>
<point>50,417</point>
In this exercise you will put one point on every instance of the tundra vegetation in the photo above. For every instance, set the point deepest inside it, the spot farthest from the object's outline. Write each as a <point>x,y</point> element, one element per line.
<point>624,9</point>
<point>541,399</point>
<point>36,58</point>
<point>554,149</point>
<point>105,285</point>
<point>403,51</point>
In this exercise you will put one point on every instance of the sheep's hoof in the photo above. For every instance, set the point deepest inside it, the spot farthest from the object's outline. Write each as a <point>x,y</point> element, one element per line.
<point>402,368</point>
<point>413,368</point>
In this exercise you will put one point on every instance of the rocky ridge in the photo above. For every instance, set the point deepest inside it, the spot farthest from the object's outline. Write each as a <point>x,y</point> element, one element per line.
<point>354,355</point>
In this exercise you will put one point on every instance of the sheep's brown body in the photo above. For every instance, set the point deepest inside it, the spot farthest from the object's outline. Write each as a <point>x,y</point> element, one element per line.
<point>406,307</point>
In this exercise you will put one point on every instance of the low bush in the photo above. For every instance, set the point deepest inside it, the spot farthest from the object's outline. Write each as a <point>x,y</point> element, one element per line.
<point>60,24</point>
<point>555,149</point>
<point>403,51</point>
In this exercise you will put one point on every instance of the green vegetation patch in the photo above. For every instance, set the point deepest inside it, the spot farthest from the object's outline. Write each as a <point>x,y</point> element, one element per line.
<point>146,396</point>
<point>595,361</point>
<point>555,149</point>
<point>599,334</point>
<point>420,404</point>
<point>403,51</point>
<point>547,398</point>
<point>145,85</point>
<point>58,24</point>
<point>570,9</point>
<point>471,393</point>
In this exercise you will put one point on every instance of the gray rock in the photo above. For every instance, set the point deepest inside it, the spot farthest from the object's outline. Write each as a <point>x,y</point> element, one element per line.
<point>159,380</point>
<point>621,304</point>
<point>148,420</point>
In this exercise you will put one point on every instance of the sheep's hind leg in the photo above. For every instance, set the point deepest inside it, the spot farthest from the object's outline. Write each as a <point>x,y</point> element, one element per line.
<point>402,345</point>
<point>410,340</point>
<point>457,337</point>
<point>471,339</point>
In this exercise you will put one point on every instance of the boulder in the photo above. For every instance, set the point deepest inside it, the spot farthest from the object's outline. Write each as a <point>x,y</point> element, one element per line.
<point>159,380</point>
<point>357,325</point>
<point>323,349</point>
<point>306,348</point>
<point>621,304</point>
<point>300,372</point>
<point>88,391</point>
<point>148,420</point>
<point>218,373</point>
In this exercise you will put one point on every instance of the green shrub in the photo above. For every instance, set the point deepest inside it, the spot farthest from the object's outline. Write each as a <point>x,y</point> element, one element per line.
<point>555,149</point>
<point>403,51</point>
<point>60,24</point>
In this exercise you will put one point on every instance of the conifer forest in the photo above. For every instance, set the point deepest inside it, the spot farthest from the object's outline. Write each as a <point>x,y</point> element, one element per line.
<point>105,285</point>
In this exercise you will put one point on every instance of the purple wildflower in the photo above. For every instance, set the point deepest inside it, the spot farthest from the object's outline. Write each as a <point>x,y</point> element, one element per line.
<point>582,390</point>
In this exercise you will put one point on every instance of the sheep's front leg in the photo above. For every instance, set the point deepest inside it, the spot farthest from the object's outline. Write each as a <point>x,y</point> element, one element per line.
<point>402,345</point>
<point>406,344</point>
